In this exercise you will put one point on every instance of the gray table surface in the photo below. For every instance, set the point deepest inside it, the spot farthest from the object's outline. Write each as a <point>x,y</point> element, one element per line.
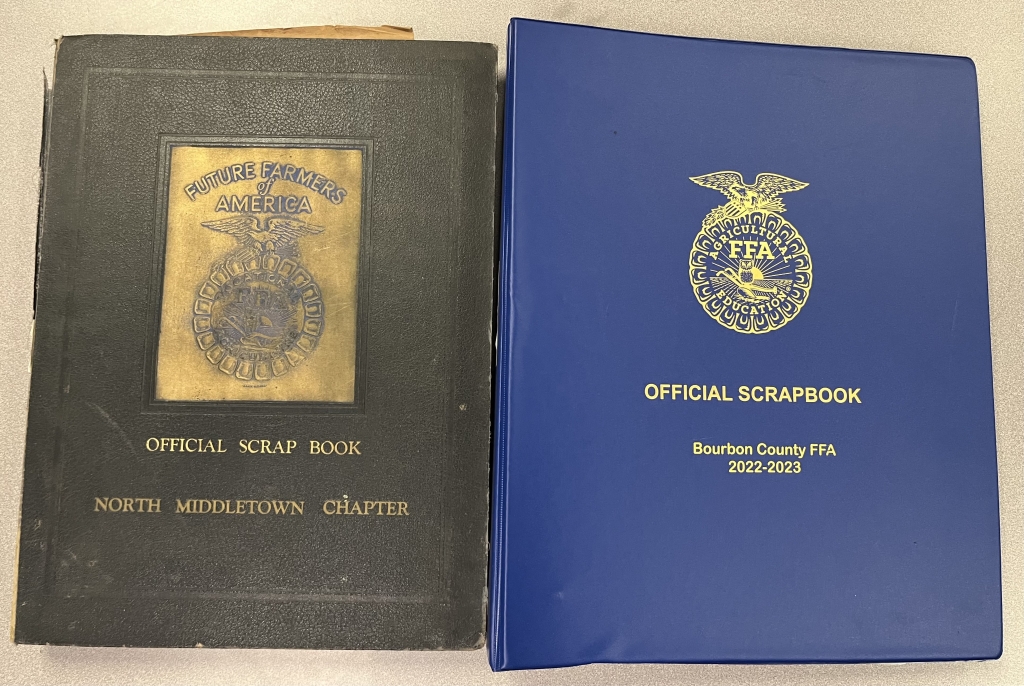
<point>989,31</point>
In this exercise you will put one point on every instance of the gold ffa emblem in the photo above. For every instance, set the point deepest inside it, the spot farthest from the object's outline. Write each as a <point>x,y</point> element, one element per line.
<point>259,313</point>
<point>749,267</point>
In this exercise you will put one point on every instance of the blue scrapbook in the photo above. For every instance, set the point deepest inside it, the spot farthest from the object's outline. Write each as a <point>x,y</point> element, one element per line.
<point>744,388</point>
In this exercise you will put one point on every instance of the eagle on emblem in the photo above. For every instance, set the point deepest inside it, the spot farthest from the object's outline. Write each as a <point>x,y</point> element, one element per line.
<point>277,235</point>
<point>745,198</point>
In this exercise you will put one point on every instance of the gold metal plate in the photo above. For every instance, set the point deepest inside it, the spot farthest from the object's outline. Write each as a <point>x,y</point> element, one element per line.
<point>260,274</point>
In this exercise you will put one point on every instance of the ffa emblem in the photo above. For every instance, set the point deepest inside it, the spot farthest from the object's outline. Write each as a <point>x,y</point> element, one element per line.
<point>259,312</point>
<point>261,271</point>
<point>749,267</point>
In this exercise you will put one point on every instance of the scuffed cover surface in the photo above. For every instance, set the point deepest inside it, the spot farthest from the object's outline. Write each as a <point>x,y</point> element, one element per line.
<point>422,113</point>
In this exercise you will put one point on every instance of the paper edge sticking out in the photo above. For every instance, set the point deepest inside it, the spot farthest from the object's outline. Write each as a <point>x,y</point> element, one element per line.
<point>329,31</point>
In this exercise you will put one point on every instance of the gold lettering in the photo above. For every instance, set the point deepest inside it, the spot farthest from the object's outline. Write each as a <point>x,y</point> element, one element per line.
<point>178,444</point>
<point>809,394</point>
<point>220,506</point>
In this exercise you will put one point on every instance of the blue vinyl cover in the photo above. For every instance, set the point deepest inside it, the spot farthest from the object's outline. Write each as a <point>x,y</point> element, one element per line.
<point>612,541</point>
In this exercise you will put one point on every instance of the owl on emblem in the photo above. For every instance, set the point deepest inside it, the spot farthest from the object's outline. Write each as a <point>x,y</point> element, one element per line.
<point>746,271</point>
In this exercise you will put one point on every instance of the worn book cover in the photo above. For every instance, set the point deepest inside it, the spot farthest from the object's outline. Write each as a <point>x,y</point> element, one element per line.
<point>260,394</point>
<point>744,388</point>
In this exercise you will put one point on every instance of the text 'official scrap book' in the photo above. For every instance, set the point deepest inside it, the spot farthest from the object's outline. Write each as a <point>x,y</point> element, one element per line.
<point>260,402</point>
<point>744,389</point>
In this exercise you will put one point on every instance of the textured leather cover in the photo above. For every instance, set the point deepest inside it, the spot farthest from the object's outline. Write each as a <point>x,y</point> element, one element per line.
<point>420,119</point>
<point>612,541</point>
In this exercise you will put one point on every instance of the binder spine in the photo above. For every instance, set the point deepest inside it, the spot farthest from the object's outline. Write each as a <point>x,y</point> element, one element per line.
<point>502,375</point>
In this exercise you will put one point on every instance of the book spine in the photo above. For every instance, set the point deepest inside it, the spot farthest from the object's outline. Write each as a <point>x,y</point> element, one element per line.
<point>43,156</point>
<point>502,376</point>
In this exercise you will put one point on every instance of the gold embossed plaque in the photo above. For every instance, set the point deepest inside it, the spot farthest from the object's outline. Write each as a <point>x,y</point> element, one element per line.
<point>261,273</point>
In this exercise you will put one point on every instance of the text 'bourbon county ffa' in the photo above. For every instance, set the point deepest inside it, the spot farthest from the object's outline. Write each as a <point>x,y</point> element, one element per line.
<point>758,394</point>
